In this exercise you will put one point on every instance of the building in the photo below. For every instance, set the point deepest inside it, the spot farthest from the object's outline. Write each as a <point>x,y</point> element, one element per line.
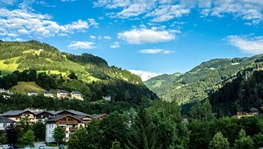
<point>108,98</point>
<point>76,95</point>
<point>32,93</point>
<point>48,94</point>
<point>17,115</point>
<point>44,115</point>
<point>62,94</point>
<point>69,123</point>
<point>4,122</point>
<point>99,116</point>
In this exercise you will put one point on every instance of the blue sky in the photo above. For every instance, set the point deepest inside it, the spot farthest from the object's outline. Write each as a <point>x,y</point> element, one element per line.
<point>148,37</point>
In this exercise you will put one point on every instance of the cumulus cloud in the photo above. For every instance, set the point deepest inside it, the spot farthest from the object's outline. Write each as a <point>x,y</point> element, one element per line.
<point>165,10</point>
<point>143,35</point>
<point>116,44</point>
<point>156,51</point>
<point>81,45</point>
<point>145,75</point>
<point>22,22</point>
<point>247,45</point>
<point>93,22</point>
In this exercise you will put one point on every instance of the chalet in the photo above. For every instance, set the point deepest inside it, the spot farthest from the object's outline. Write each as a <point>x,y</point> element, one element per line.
<point>4,122</point>
<point>62,94</point>
<point>253,112</point>
<point>67,122</point>
<point>99,116</point>
<point>48,94</point>
<point>17,115</point>
<point>32,93</point>
<point>44,115</point>
<point>76,95</point>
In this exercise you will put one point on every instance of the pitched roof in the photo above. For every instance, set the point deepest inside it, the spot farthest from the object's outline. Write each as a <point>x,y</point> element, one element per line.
<point>48,92</point>
<point>71,111</point>
<point>75,92</point>
<point>13,112</point>
<point>6,120</point>
<point>98,115</point>
<point>50,112</point>
<point>32,92</point>
<point>62,91</point>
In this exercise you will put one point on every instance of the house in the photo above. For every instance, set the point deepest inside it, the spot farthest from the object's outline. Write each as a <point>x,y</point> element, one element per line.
<point>68,123</point>
<point>76,95</point>
<point>108,98</point>
<point>32,93</point>
<point>48,94</point>
<point>253,112</point>
<point>99,116</point>
<point>4,122</point>
<point>62,94</point>
<point>4,91</point>
<point>44,115</point>
<point>17,115</point>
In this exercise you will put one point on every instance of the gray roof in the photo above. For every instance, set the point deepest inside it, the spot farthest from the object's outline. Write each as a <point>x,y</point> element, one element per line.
<point>13,112</point>
<point>62,91</point>
<point>76,92</point>
<point>6,120</point>
<point>32,91</point>
<point>97,115</point>
<point>48,92</point>
<point>50,112</point>
<point>72,111</point>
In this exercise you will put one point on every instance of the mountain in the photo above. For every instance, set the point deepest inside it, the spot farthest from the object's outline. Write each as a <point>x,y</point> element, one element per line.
<point>51,69</point>
<point>203,80</point>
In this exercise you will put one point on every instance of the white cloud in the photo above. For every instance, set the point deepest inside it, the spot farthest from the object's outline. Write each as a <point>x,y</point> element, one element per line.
<point>23,22</point>
<point>143,35</point>
<point>247,45</point>
<point>81,45</point>
<point>116,44</point>
<point>93,22</point>
<point>167,12</point>
<point>156,51</point>
<point>144,74</point>
<point>68,0</point>
<point>92,37</point>
<point>107,37</point>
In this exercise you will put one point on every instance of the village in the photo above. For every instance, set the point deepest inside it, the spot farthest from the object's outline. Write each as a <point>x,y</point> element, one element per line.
<point>68,120</point>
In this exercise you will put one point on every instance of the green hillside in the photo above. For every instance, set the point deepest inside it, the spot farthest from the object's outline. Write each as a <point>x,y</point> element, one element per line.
<point>50,69</point>
<point>206,78</point>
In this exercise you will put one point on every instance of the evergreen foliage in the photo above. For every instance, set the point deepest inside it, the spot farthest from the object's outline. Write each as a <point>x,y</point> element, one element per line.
<point>219,142</point>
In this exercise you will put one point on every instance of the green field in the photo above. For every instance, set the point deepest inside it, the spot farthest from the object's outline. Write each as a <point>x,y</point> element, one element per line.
<point>24,87</point>
<point>8,68</point>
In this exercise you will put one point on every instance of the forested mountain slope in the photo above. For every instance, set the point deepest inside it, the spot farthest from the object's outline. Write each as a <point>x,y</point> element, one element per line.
<point>51,69</point>
<point>206,78</point>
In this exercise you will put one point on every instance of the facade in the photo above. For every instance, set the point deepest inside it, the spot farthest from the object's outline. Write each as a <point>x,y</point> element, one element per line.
<point>108,98</point>
<point>44,115</point>
<point>4,122</point>
<point>32,93</point>
<point>17,115</point>
<point>67,122</point>
<point>48,94</point>
<point>76,95</point>
<point>62,94</point>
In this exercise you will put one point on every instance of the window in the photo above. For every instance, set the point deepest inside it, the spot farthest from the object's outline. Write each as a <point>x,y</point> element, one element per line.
<point>5,124</point>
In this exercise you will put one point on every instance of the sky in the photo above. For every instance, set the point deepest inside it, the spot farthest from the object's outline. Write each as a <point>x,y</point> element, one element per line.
<point>147,37</point>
